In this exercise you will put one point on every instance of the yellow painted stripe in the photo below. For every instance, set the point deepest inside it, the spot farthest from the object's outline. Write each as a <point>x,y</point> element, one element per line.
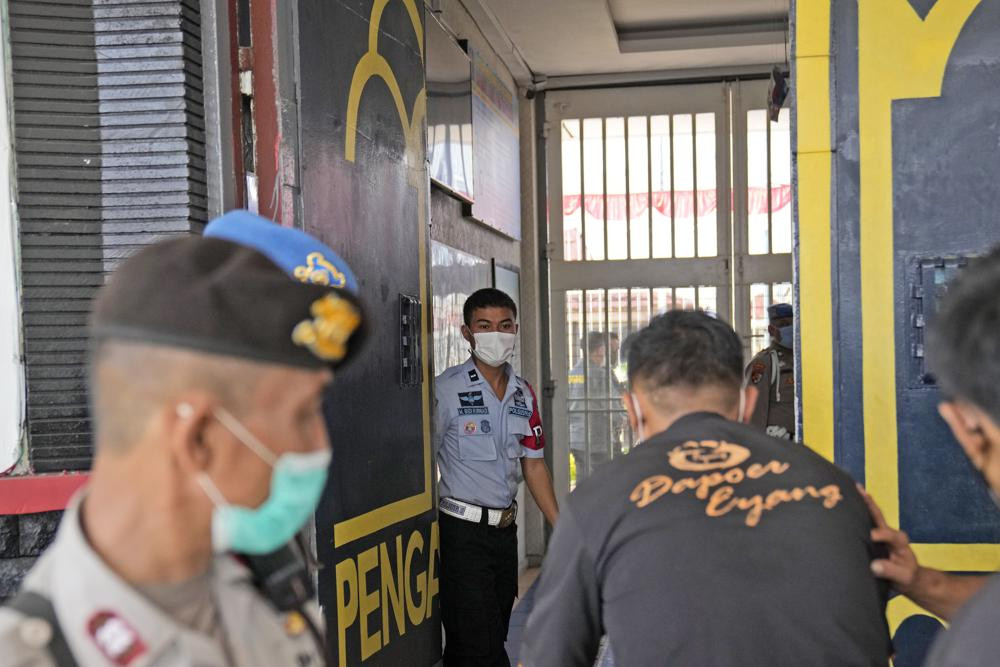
<point>901,608</point>
<point>959,557</point>
<point>814,156</point>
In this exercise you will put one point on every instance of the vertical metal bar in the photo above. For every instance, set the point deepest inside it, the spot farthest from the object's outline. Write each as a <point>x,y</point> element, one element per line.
<point>649,181</point>
<point>628,303</point>
<point>694,181</point>
<point>628,196</point>
<point>673,202</point>
<point>604,170</point>
<point>606,404</point>
<point>585,350</point>
<point>583,196</point>
<point>697,297</point>
<point>770,227</point>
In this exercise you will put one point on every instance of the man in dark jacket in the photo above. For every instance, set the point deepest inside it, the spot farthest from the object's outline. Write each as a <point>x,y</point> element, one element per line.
<point>710,543</point>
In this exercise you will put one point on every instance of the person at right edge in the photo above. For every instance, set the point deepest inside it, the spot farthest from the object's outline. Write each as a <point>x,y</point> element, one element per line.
<point>710,543</point>
<point>963,354</point>
<point>772,372</point>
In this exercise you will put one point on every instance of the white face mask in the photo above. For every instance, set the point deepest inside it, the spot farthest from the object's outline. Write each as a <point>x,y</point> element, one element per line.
<point>743,403</point>
<point>494,348</point>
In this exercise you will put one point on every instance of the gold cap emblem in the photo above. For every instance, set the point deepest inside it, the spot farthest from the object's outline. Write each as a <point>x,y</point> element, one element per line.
<point>319,271</point>
<point>326,334</point>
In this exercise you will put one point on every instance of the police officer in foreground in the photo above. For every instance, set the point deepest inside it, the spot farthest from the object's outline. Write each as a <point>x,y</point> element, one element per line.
<point>488,436</point>
<point>207,373</point>
<point>710,543</point>
<point>963,353</point>
<point>772,372</point>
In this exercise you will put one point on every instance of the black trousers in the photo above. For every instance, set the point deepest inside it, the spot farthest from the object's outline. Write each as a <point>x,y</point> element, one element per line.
<point>478,587</point>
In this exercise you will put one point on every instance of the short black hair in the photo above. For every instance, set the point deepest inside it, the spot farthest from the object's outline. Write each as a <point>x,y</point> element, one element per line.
<point>488,297</point>
<point>963,338</point>
<point>686,348</point>
<point>594,342</point>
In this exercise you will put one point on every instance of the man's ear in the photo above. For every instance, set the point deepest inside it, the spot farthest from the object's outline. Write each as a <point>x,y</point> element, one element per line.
<point>750,396</point>
<point>633,419</point>
<point>966,426</point>
<point>772,330</point>
<point>467,335</point>
<point>185,422</point>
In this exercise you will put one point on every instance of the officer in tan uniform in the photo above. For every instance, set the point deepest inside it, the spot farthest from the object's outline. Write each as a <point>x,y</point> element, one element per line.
<point>772,372</point>
<point>208,370</point>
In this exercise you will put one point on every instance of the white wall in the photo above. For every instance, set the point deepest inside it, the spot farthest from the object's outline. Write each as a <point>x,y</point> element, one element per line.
<point>12,388</point>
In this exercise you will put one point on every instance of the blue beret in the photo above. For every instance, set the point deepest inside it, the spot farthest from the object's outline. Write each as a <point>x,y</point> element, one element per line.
<point>298,253</point>
<point>778,311</point>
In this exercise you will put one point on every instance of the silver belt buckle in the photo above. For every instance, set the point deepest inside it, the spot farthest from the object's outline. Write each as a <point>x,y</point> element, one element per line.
<point>508,515</point>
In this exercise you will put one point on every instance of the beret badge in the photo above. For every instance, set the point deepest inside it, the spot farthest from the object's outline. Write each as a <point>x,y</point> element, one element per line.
<point>319,271</point>
<point>325,335</point>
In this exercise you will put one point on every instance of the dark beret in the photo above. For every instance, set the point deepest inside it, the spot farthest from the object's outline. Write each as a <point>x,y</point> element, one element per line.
<point>778,311</point>
<point>219,297</point>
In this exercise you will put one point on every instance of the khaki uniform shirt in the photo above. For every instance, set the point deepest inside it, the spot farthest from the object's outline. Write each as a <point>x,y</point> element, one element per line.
<point>107,622</point>
<point>775,412</point>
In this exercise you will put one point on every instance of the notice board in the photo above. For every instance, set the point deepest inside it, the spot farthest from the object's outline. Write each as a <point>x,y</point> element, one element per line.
<point>497,151</point>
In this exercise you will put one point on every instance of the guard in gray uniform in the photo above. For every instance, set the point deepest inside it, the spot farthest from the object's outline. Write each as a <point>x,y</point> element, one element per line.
<point>710,543</point>
<point>209,364</point>
<point>488,436</point>
<point>772,372</point>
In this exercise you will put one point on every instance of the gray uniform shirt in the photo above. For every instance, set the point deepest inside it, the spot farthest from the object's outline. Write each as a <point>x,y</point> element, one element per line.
<point>972,640</point>
<point>108,622</point>
<point>480,439</point>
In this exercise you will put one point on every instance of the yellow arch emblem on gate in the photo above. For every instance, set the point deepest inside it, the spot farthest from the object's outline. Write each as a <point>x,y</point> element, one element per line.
<point>373,65</point>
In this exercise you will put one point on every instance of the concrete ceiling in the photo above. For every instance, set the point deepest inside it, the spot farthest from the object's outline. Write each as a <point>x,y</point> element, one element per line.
<point>560,38</point>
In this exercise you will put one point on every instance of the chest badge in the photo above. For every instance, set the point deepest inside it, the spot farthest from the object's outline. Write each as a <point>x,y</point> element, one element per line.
<point>472,403</point>
<point>117,640</point>
<point>519,399</point>
<point>485,427</point>
<point>470,428</point>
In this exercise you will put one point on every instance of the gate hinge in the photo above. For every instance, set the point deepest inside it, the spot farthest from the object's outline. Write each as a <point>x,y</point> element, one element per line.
<point>549,389</point>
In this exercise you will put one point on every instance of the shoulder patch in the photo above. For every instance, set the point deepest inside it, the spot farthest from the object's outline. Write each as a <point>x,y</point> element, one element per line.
<point>473,375</point>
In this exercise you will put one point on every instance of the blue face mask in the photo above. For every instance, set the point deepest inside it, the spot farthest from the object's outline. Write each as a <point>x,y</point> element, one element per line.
<point>297,482</point>
<point>787,336</point>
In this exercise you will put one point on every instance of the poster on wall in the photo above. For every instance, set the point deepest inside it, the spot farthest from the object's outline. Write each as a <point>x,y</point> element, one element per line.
<point>497,152</point>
